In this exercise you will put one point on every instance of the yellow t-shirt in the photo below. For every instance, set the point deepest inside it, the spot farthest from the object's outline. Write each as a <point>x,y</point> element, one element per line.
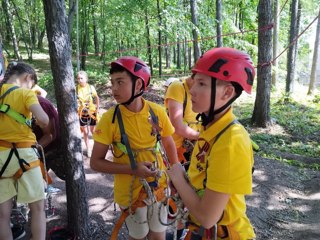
<point>138,130</point>
<point>85,96</point>
<point>176,91</point>
<point>19,100</point>
<point>227,167</point>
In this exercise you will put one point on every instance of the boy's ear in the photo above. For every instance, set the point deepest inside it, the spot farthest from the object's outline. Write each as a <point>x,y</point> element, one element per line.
<point>139,84</point>
<point>229,91</point>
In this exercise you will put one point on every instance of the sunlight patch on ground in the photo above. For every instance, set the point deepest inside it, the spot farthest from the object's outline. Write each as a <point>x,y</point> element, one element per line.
<point>97,204</point>
<point>315,196</point>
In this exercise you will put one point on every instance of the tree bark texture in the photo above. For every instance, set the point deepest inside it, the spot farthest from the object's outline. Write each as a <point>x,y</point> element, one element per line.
<point>194,20</point>
<point>315,58</point>
<point>261,113</point>
<point>275,42</point>
<point>291,61</point>
<point>9,16</point>
<point>62,71</point>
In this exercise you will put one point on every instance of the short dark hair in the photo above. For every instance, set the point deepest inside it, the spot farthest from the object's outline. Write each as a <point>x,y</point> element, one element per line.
<point>116,68</point>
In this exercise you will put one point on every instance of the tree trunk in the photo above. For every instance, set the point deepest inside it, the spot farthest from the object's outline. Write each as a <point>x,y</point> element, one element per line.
<point>261,113</point>
<point>40,39</point>
<point>276,10</point>
<point>85,37</point>
<point>178,53</point>
<point>2,65</point>
<point>185,55</point>
<point>72,12</point>
<point>7,12</point>
<point>291,61</point>
<point>95,30</point>
<point>148,40</point>
<point>159,38</point>
<point>315,58</point>
<point>194,19</point>
<point>219,22</point>
<point>62,72</point>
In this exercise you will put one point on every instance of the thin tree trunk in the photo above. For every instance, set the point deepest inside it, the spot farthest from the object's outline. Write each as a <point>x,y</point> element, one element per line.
<point>194,19</point>
<point>62,72</point>
<point>95,30</point>
<point>22,30</point>
<point>159,38</point>
<point>315,59</point>
<point>71,13</point>
<point>291,61</point>
<point>6,8</point>
<point>40,39</point>
<point>178,53</point>
<point>185,55</point>
<point>276,10</point>
<point>261,112</point>
<point>148,41</point>
<point>219,22</point>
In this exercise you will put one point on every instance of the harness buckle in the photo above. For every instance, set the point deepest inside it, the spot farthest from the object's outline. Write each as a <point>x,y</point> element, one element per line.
<point>5,110</point>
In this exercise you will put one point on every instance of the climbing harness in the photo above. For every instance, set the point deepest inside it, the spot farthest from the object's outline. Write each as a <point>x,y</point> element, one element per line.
<point>84,112</point>
<point>151,192</point>
<point>6,109</point>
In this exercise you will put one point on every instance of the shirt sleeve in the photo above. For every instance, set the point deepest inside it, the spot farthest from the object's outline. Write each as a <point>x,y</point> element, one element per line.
<point>176,92</point>
<point>103,132</point>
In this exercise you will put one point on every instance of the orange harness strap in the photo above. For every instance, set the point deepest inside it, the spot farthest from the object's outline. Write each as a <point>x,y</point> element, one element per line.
<point>158,193</point>
<point>7,144</point>
<point>223,232</point>
<point>19,173</point>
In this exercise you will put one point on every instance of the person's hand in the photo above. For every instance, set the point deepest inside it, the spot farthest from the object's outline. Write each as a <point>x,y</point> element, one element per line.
<point>145,170</point>
<point>176,172</point>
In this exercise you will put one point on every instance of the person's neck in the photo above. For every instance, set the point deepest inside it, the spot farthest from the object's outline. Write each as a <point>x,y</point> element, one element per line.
<point>136,105</point>
<point>217,117</point>
<point>15,81</point>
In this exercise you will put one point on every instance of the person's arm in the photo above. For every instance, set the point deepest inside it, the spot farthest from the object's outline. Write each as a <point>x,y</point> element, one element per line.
<point>100,164</point>
<point>209,208</point>
<point>49,134</point>
<point>170,149</point>
<point>39,90</point>
<point>175,110</point>
<point>40,115</point>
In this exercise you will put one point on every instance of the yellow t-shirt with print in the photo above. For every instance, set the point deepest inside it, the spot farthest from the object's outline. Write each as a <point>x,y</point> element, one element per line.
<point>227,168</point>
<point>138,130</point>
<point>176,91</point>
<point>19,100</point>
<point>85,97</point>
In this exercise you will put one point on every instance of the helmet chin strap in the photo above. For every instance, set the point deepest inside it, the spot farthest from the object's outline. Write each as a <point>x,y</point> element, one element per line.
<point>132,94</point>
<point>206,119</point>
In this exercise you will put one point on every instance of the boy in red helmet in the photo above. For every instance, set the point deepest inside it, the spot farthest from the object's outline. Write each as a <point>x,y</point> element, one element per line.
<point>220,173</point>
<point>137,130</point>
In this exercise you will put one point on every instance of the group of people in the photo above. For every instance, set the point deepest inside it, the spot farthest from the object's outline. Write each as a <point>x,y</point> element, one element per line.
<point>194,149</point>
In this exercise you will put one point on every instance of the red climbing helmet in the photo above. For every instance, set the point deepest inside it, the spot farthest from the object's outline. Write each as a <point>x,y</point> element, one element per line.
<point>227,64</point>
<point>136,67</point>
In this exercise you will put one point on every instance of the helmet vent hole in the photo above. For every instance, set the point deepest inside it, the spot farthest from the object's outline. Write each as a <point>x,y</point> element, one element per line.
<point>137,67</point>
<point>217,65</point>
<point>250,77</point>
<point>225,73</point>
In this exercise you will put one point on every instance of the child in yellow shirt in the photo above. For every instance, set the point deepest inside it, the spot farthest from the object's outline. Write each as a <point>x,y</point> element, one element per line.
<point>220,173</point>
<point>88,106</point>
<point>138,166</point>
<point>20,174</point>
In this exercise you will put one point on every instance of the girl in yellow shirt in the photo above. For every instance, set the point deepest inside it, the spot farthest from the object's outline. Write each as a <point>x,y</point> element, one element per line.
<point>17,151</point>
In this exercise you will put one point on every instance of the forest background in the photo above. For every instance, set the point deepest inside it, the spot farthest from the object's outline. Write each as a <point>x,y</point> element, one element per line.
<point>282,36</point>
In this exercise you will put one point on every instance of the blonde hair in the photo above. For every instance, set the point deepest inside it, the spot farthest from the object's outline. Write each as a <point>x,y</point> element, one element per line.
<point>83,73</point>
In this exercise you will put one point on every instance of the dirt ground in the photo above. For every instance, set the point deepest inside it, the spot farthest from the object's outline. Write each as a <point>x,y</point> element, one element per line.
<point>285,203</point>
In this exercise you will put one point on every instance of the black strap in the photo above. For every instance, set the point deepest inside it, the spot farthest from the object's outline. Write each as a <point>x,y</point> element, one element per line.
<point>4,167</point>
<point>155,120</point>
<point>184,100</point>
<point>125,140</point>
<point>8,91</point>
